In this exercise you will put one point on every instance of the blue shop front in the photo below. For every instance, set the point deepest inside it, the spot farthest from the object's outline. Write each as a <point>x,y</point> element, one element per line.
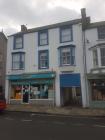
<point>37,88</point>
<point>70,89</point>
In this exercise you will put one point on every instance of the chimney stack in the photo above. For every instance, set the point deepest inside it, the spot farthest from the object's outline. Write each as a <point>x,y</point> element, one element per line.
<point>23,28</point>
<point>85,20</point>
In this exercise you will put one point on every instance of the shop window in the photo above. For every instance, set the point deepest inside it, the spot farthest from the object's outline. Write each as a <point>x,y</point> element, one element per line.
<point>41,91</point>
<point>98,91</point>
<point>16,92</point>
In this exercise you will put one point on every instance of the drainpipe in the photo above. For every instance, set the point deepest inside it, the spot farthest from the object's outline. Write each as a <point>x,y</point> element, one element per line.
<point>85,22</point>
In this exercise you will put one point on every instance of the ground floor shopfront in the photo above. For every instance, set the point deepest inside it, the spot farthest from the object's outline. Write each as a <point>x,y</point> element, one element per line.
<point>70,89</point>
<point>45,89</point>
<point>96,86</point>
<point>36,89</point>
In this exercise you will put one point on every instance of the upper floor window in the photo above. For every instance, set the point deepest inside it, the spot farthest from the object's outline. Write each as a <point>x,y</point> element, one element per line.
<point>101,32</point>
<point>95,58</point>
<point>43,59</point>
<point>67,55</point>
<point>18,61</point>
<point>66,34</point>
<point>43,38</point>
<point>18,42</point>
<point>102,51</point>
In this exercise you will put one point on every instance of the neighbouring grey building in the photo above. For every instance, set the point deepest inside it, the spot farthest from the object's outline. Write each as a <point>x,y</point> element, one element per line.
<point>3,52</point>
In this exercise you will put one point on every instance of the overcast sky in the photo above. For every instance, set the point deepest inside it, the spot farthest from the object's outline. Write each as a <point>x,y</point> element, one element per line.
<point>33,13</point>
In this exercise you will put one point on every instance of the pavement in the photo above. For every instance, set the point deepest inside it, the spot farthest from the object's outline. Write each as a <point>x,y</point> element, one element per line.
<point>71,111</point>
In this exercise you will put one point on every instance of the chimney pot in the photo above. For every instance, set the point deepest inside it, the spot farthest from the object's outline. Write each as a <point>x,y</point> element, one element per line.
<point>23,28</point>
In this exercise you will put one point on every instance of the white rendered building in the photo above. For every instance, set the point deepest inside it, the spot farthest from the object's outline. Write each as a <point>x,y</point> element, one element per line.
<point>95,61</point>
<point>45,65</point>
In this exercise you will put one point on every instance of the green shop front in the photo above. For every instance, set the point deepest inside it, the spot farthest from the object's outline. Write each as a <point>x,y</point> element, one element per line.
<point>96,88</point>
<point>38,88</point>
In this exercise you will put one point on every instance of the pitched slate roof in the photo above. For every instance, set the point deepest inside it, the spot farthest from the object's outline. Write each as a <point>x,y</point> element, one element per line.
<point>71,22</point>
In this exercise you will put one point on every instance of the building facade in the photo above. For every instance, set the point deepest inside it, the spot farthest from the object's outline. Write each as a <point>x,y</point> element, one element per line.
<point>95,55</point>
<point>45,65</point>
<point>3,51</point>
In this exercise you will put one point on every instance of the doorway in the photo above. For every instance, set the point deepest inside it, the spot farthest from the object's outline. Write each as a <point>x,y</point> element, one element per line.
<point>71,96</point>
<point>26,94</point>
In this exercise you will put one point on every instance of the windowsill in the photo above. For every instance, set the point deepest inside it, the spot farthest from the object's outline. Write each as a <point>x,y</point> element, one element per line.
<point>43,45</point>
<point>43,68</point>
<point>17,48</point>
<point>17,69</point>
<point>67,68</point>
<point>97,68</point>
<point>66,41</point>
<point>67,65</point>
<point>100,39</point>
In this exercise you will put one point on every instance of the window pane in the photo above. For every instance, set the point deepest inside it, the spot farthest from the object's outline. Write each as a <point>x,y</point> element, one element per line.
<point>43,59</point>
<point>18,43</point>
<point>43,38</point>
<point>43,41</point>
<point>98,90</point>
<point>95,58</point>
<point>15,65</point>
<point>67,56</point>
<point>16,57</point>
<point>102,50</point>
<point>16,92</point>
<point>101,32</point>
<point>18,61</point>
<point>66,38</point>
<point>66,34</point>
<point>18,46</point>
<point>22,57</point>
<point>41,91</point>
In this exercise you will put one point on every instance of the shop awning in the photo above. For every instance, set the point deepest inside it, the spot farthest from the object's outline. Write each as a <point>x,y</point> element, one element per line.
<point>49,82</point>
<point>70,80</point>
<point>31,76</point>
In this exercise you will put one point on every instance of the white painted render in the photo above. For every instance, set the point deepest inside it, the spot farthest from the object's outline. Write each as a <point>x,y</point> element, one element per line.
<point>31,49</point>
